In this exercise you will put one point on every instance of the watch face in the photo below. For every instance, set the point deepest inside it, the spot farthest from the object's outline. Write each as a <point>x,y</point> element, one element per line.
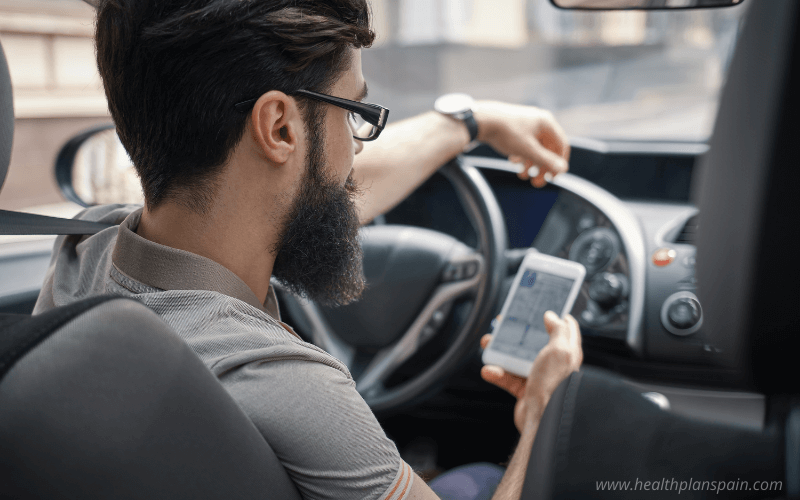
<point>453,104</point>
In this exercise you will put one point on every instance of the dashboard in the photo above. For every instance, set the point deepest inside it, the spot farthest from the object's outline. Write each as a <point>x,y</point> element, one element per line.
<point>624,213</point>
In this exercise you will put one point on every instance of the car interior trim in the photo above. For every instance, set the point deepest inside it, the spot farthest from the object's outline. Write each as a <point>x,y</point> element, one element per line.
<point>639,147</point>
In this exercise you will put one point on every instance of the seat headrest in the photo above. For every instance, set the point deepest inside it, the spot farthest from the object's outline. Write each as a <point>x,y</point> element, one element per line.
<point>6,117</point>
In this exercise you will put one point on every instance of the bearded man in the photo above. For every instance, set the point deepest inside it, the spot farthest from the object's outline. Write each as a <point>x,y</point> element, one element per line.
<point>238,116</point>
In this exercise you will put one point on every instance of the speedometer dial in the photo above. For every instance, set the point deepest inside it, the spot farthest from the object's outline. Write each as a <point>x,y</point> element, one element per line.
<point>595,248</point>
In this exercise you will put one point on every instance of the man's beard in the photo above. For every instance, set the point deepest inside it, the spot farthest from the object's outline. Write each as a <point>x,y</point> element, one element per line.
<point>319,254</point>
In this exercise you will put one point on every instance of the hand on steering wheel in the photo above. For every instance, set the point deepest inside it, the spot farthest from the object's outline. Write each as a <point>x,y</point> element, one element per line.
<point>528,136</point>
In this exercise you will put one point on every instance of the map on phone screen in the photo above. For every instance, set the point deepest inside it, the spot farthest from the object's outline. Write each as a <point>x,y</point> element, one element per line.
<point>522,330</point>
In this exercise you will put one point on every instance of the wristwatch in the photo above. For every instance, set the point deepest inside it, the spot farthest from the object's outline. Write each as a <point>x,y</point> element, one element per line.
<point>459,106</point>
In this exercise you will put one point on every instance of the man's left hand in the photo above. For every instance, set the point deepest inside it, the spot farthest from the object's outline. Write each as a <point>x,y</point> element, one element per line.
<point>527,135</point>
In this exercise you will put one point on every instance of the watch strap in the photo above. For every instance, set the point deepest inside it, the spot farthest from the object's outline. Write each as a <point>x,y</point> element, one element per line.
<point>472,126</point>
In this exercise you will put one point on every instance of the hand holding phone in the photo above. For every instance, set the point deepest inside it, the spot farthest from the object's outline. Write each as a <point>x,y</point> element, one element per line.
<point>561,356</point>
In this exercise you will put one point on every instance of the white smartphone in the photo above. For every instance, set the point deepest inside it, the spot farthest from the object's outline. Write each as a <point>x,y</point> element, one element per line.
<point>543,283</point>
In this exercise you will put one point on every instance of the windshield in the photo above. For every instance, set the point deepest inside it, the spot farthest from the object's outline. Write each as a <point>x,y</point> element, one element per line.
<point>608,75</point>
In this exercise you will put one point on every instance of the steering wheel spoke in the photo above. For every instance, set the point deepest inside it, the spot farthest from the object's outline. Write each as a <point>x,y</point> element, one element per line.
<point>323,335</point>
<point>462,275</point>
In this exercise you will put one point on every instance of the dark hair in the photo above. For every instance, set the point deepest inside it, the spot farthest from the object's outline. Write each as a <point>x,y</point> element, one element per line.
<point>173,70</point>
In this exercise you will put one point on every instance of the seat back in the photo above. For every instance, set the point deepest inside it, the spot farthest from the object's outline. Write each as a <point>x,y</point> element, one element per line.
<point>599,438</point>
<point>746,191</point>
<point>100,399</point>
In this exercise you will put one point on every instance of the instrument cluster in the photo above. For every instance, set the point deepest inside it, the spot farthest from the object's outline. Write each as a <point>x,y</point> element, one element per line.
<point>576,230</point>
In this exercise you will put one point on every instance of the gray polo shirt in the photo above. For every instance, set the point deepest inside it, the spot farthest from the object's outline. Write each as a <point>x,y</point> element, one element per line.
<point>302,399</point>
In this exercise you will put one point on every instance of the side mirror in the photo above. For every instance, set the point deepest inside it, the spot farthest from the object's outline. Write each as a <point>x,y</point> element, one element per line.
<point>93,168</point>
<point>642,4</point>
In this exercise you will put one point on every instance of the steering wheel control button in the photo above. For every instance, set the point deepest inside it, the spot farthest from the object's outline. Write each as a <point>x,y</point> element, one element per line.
<point>471,269</point>
<point>427,333</point>
<point>460,270</point>
<point>451,273</point>
<point>664,256</point>
<point>435,323</point>
<point>608,289</point>
<point>437,318</point>
<point>595,248</point>
<point>681,314</point>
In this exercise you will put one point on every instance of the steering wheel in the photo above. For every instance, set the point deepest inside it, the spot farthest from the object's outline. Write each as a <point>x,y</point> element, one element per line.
<point>414,276</point>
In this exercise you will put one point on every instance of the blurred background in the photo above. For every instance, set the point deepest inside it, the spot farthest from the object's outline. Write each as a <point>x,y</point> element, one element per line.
<point>57,91</point>
<point>651,76</point>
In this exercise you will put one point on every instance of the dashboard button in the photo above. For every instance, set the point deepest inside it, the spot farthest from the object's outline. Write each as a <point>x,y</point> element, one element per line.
<point>470,269</point>
<point>684,313</point>
<point>664,256</point>
<point>681,314</point>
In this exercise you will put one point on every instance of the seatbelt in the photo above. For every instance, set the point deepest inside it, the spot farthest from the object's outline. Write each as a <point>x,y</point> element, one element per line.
<point>21,223</point>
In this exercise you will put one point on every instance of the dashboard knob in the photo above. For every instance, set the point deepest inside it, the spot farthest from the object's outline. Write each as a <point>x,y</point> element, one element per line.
<point>608,289</point>
<point>681,314</point>
<point>684,313</point>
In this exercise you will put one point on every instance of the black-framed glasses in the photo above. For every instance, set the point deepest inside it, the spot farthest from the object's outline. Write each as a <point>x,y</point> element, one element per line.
<point>367,120</point>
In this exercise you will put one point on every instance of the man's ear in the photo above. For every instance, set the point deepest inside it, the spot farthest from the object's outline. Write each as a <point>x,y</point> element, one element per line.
<point>276,125</point>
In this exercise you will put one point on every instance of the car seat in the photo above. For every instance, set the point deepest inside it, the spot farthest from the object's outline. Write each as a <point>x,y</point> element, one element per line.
<point>100,399</point>
<point>597,429</point>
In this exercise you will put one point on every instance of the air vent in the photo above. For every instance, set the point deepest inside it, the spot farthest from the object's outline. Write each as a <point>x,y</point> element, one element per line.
<point>687,234</point>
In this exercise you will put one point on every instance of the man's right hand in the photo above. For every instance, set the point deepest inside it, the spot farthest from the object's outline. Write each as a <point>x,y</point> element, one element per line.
<point>560,357</point>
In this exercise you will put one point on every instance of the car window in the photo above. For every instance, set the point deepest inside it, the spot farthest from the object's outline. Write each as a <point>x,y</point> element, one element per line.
<point>613,75</point>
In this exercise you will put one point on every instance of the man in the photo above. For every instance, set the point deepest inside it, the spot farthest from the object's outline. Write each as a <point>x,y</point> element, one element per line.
<point>237,116</point>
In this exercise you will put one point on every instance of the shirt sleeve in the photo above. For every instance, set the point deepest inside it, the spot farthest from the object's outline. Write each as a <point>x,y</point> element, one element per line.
<point>321,429</point>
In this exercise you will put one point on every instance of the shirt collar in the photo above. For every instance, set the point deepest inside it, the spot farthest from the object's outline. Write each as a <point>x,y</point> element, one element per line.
<point>168,268</point>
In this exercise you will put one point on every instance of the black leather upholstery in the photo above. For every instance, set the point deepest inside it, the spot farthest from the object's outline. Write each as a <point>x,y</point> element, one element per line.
<point>112,404</point>
<point>597,429</point>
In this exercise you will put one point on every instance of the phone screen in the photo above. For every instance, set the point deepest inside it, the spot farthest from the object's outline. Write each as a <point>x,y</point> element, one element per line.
<point>522,332</point>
